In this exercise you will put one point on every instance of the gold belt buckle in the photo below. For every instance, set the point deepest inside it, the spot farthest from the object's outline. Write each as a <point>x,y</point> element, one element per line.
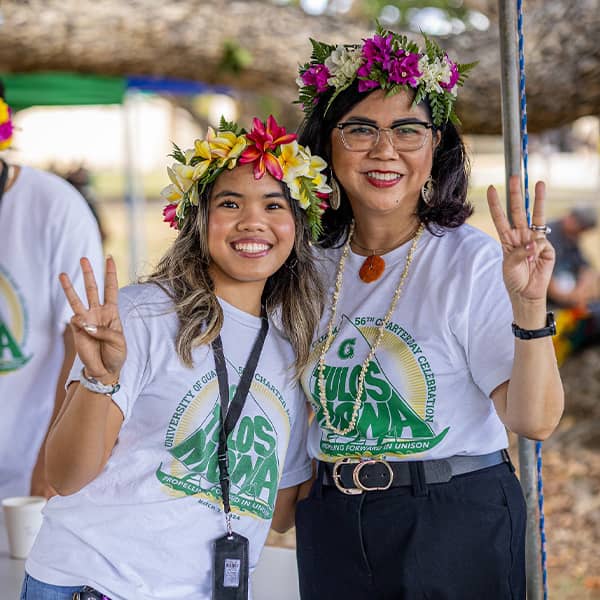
<point>359,486</point>
<point>336,476</point>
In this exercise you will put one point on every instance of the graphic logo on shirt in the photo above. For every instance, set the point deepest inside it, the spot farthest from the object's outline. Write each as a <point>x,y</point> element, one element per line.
<point>395,419</point>
<point>13,326</point>
<point>192,439</point>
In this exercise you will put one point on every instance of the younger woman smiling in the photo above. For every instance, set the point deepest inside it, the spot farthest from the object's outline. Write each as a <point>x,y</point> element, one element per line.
<point>142,454</point>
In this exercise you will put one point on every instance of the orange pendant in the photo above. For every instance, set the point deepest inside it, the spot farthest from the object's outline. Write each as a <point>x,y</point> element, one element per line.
<point>372,268</point>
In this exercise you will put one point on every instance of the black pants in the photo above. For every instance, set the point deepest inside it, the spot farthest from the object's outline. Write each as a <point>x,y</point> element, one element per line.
<point>461,540</point>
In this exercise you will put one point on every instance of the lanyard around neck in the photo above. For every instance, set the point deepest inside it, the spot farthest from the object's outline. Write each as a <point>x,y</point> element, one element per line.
<point>230,412</point>
<point>3,177</point>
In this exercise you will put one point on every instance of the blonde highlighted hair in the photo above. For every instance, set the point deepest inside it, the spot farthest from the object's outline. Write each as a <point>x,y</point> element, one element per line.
<point>294,291</point>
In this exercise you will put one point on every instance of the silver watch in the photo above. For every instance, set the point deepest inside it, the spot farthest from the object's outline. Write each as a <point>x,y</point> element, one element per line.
<point>93,385</point>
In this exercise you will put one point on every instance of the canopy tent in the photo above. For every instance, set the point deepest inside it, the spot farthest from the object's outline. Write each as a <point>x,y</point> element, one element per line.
<point>59,89</point>
<point>24,90</point>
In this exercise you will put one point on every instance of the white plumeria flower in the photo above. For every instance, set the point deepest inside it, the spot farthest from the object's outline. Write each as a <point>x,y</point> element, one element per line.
<point>446,74</point>
<point>297,192</point>
<point>320,182</point>
<point>342,65</point>
<point>335,60</point>
<point>293,162</point>
<point>178,174</point>
<point>315,163</point>
<point>431,74</point>
<point>172,193</point>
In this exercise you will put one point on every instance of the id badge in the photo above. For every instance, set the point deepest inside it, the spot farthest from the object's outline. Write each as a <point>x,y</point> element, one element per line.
<point>230,570</point>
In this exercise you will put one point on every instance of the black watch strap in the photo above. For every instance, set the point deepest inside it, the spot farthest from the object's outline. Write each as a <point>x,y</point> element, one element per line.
<point>531,334</point>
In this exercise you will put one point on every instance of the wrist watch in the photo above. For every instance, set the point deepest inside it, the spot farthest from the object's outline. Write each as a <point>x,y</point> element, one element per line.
<point>531,334</point>
<point>93,385</point>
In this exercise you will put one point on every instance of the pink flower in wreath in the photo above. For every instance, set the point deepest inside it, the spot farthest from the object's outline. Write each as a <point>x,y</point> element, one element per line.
<point>316,75</point>
<point>266,137</point>
<point>6,133</point>
<point>324,198</point>
<point>404,69</point>
<point>454,75</point>
<point>170,215</point>
<point>376,49</point>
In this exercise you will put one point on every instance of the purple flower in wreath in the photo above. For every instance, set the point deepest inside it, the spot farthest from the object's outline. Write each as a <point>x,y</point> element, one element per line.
<point>364,85</point>
<point>404,69</point>
<point>316,76</point>
<point>376,52</point>
<point>6,131</point>
<point>454,75</point>
<point>376,49</point>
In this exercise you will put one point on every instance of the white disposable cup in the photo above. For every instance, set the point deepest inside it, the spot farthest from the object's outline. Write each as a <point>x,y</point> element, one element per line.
<point>23,519</point>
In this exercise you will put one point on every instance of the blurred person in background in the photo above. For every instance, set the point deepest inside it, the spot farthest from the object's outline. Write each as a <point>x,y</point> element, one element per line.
<point>45,226</point>
<point>81,180</point>
<point>574,290</point>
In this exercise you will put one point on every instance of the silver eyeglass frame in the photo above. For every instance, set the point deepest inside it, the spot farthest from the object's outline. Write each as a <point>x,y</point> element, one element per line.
<point>388,130</point>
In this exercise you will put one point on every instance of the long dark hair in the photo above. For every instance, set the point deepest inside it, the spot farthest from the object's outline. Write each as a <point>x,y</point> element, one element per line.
<point>450,169</point>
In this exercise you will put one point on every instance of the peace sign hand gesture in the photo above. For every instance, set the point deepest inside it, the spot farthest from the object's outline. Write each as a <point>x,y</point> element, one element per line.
<point>97,329</point>
<point>528,255</point>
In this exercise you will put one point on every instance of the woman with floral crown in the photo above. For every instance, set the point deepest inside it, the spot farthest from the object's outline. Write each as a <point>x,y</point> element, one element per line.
<point>423,356</point>
<point>184,414</point>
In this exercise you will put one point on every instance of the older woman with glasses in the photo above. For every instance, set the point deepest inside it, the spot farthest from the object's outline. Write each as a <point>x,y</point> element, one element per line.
<point>423,357</point>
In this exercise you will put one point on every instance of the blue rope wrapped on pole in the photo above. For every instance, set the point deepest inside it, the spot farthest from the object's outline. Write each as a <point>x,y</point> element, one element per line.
<point>525,156</point>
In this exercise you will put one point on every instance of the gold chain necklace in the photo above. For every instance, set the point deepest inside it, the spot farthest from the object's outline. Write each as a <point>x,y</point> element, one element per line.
<point>363,371</point>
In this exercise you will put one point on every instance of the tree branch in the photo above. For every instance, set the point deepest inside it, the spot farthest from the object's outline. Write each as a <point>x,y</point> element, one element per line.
<point>185,39</point>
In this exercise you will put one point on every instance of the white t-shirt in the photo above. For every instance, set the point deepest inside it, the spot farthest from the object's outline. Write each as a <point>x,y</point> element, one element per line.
<point>144,528</point>
<point>45,227</point>
<point>447,347</point>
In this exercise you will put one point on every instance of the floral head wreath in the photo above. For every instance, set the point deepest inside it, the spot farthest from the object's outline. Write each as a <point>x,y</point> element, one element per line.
<point>268,146</point>
<point>388,61</point>
<point>6,126</point>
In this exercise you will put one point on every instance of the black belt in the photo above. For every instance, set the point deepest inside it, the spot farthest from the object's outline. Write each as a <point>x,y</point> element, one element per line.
<point>358,475</point>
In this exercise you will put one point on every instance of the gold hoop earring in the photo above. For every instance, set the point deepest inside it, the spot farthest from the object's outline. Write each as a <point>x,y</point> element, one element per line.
<point>428,190</point>
<point>335,197</point>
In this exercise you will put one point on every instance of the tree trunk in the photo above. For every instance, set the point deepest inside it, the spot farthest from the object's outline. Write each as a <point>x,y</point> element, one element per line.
<point>187,39</point>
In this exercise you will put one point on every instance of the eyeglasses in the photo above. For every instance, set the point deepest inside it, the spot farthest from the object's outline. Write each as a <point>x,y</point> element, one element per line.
<point>405,137</point>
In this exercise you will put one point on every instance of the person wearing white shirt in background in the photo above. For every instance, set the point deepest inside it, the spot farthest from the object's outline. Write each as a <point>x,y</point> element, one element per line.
<point>45,226</point>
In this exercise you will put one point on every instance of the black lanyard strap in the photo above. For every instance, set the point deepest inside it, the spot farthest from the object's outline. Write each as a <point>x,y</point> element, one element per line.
<point>230,412</point>
<point>3,177</point>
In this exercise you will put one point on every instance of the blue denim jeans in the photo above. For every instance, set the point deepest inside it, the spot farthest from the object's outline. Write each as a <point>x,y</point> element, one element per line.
<point>38,590</point>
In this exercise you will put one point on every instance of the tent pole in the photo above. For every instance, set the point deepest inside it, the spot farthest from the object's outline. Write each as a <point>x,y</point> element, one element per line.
<point>512,159</point>
<point>134,198</point>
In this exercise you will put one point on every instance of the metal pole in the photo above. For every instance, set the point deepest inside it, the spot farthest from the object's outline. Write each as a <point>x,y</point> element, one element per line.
<point>507,11</point>
<point>134,197</point>
<point>510,89</point>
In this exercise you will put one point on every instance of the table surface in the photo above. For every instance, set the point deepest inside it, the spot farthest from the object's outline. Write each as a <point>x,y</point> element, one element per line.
<point>11,569</point>
<point>275,577</point>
